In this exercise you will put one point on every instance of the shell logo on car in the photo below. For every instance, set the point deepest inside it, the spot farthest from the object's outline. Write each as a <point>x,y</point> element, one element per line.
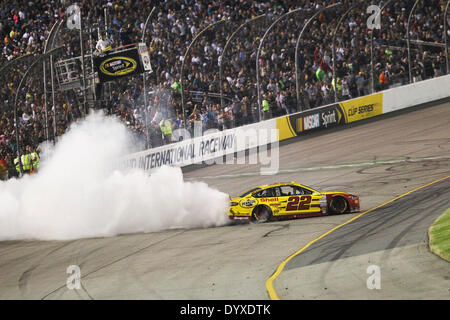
<point>268,200</point>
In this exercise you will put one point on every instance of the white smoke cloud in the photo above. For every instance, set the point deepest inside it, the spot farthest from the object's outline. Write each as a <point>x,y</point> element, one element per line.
<point>77,192</point>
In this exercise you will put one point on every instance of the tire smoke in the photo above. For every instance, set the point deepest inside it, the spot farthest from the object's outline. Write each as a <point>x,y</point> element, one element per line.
<point>78,193</point>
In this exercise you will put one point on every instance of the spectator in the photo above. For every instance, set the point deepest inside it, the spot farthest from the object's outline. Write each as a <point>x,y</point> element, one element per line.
<point>266,108</point>
<point>102,44</point>
<point>3,167</point>
<point>166,129</point>
<point>427,66</point>
<point>25,26</point>
<point>126,35</point>
<point>383,79</point>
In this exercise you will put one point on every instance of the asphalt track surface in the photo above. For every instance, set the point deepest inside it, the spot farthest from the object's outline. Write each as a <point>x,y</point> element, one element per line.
<point>378,160</point>
<point>393,238</point>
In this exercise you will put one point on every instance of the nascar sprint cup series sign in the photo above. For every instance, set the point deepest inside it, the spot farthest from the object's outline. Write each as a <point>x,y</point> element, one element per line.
<point>127,62</point>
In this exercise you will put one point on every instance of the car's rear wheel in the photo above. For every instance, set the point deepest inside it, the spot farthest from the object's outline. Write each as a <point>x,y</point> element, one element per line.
<point>338,205</point>
<point>262,214</point>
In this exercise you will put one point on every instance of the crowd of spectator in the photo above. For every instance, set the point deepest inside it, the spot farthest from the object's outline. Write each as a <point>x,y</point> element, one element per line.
<point>25,26</point>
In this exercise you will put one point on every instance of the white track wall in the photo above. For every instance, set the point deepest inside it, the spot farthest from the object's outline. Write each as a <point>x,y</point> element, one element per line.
<point>416,94</point>
<point>206,147</point>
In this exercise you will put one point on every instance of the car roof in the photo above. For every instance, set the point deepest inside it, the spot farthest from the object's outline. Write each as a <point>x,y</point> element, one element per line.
<point>279,184</point>
<point>265,186</point>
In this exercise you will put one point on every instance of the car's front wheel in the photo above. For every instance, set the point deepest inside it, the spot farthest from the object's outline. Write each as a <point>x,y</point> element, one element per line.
<point>262,214</point>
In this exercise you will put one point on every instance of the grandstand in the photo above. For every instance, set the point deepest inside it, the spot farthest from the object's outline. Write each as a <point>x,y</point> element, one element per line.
<point>298,55</point>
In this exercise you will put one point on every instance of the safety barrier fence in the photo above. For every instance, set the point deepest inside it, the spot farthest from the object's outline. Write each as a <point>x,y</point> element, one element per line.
<point>215,144</point>
<point>306,19</point>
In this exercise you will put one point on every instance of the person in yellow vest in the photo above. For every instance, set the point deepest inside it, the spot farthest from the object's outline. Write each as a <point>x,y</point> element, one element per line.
<point>337,86</point>
<point>17,165</point>
<point>27,163</point>
<point>176,87</point>
<point>166,129</point>
<point>266,108</point>
<point>34,162</point>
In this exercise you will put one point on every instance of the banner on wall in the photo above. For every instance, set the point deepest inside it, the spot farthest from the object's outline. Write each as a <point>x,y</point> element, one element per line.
<point>111,66</point>
<point>219,144</point>
<point>207,147</point>
<point>363,108</point>
<point>321,118</point>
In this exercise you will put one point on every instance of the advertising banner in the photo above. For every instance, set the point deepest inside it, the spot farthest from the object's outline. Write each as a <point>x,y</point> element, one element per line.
<point>117,64</point>
<point>204,148</point>
<point>320,118</point>
<point>363,108</point>
<point>218,144</point>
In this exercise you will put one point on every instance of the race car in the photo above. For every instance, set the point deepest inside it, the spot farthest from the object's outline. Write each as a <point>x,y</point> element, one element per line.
<point>287,201</point>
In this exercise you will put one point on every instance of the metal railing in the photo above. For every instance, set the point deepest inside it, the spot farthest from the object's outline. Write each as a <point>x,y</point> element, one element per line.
<point>16,99</point>
<point>197,36</point>
<point>297,45</point>
<point>68,70</point>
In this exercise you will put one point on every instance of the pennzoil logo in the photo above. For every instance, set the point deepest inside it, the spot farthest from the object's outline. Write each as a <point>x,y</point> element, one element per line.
<point>118,66</point>
<point>248,203</point>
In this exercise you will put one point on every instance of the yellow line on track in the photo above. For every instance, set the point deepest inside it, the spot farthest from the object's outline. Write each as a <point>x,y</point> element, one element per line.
<point>269,283</point>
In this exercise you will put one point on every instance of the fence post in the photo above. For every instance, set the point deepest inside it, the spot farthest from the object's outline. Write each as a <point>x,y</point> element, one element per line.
<point>297,73</point>
<point>446,36</point>
<point>144,84</point>
<point>184,61</point>
<point>334,44</point>
<point>223,55</point>
<point>16,117</point>
<point>409,41</point>
<point>258,86</point>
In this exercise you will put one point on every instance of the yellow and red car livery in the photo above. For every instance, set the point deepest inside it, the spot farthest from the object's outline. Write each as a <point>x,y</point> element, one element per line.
<point>289,200</point>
